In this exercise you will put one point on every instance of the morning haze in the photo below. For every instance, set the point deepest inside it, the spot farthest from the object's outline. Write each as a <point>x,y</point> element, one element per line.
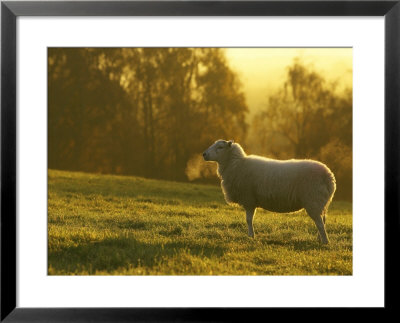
<point>129,192</point>
<point>263,70</point>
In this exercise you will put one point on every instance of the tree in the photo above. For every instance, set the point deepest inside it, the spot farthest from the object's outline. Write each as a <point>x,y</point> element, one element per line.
<point>141,111</point>
<point>86,106</point>
<point>307,118</point>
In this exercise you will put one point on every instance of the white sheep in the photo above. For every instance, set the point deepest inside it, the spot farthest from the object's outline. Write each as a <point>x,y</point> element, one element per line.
<point>275,185</point>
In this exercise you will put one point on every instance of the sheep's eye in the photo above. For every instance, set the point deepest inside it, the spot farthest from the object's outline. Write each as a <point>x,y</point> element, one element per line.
<point>218,148</point>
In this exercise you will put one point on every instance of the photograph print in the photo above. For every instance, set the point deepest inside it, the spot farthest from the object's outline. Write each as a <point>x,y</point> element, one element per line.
<point>200,161</point>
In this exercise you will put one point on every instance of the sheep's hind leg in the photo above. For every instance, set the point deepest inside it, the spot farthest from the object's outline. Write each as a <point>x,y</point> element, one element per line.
<point>320,223</point>
<point>323,216</point>
<point>249,218</point>
<point>321,229</point>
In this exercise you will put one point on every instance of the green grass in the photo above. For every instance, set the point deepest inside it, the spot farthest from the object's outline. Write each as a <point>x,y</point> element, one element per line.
<point>117,225</point>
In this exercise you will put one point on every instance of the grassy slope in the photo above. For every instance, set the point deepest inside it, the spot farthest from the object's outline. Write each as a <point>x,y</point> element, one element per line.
<point>117,225</point>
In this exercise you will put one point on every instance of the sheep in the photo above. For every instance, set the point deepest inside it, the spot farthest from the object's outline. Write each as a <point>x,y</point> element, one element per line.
<point>275,185</point>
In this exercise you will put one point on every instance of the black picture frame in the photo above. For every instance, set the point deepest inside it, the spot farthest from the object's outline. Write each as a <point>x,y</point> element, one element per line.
<point>11,10</point>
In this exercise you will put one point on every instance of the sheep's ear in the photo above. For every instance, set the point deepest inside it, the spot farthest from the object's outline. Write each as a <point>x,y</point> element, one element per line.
<point>230,142</point>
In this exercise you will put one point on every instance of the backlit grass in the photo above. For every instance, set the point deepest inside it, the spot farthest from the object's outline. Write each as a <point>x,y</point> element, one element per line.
<point>116,225</point>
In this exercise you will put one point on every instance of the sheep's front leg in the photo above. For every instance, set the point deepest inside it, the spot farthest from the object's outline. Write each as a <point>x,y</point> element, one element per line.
<point>249,218</point>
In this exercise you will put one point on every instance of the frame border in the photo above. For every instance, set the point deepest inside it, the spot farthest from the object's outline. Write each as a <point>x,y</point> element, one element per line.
<point>10,10</point>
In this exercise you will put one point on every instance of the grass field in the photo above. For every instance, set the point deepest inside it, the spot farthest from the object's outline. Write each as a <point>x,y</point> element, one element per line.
<point>116,225</point>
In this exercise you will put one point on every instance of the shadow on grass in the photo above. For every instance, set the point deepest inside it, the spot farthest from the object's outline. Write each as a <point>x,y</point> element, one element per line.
<point>113,253</point>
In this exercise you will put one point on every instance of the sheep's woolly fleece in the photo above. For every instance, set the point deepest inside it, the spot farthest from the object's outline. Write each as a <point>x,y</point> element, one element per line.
<point>275,185</point>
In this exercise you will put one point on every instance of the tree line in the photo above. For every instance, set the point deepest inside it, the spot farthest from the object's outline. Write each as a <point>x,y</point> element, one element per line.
<point>308,117</point>
<point>139,111</point>
<point>150,111</point>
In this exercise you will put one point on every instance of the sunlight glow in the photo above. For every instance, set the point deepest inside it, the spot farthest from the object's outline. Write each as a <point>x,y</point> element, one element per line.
<point>262,70</point>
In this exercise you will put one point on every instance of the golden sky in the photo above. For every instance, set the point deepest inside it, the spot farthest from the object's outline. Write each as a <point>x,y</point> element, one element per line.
<point>263,70</point>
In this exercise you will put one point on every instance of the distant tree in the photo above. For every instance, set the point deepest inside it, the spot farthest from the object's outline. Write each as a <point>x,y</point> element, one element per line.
<point>143,111</point>
<point>85,107</point>
<point>307,118</point>
<point>187,98</point>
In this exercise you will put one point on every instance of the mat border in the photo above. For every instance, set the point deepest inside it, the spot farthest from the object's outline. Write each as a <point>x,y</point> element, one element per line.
<point>11,10</point>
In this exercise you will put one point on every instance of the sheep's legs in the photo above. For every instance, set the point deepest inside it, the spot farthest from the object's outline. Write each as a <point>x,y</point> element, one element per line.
<point>249,218</point>
<point>323,216</point>
<point>318,214</point>
<point>319,222</point>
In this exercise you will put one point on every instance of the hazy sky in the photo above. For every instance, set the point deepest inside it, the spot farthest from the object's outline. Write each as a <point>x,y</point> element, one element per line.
<point>263,70</point>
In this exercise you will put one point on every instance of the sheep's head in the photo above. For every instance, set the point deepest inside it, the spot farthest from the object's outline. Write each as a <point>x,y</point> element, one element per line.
<point>218,151</point>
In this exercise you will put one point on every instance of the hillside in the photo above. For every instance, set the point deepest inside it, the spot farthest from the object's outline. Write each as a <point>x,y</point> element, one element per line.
<point>117,225</point>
